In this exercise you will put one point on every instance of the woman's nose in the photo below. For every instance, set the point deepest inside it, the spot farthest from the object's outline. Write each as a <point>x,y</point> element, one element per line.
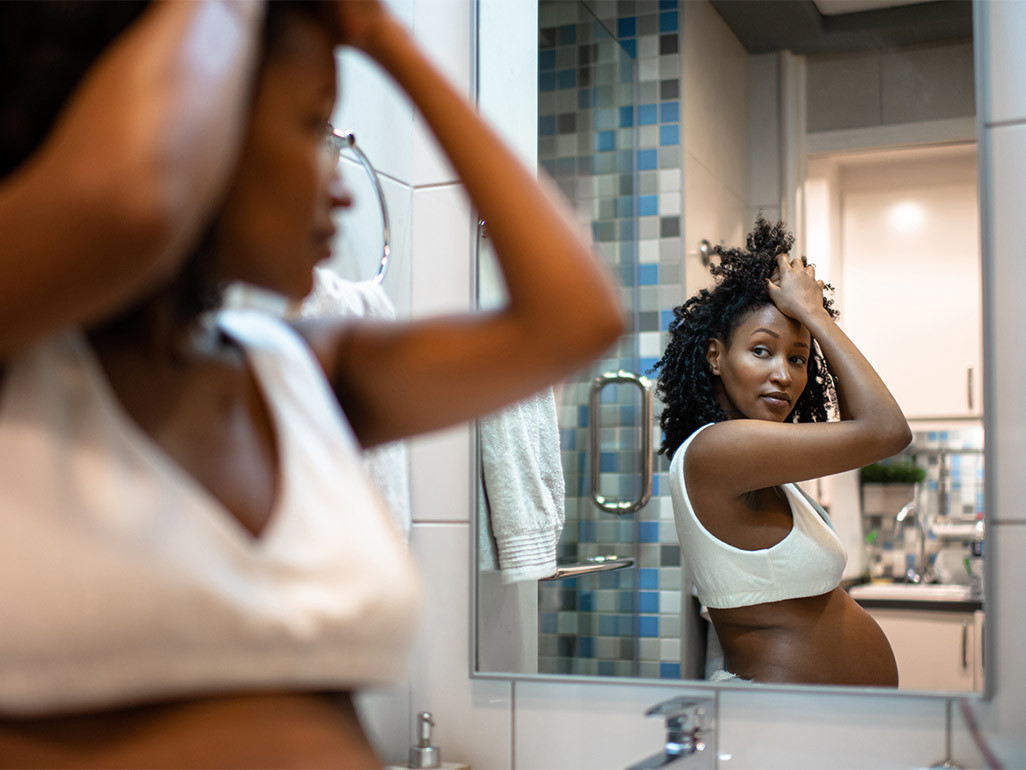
<point>780,373</point>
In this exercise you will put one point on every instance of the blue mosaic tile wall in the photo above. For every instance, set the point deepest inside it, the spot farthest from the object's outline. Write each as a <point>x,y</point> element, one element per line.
<point>610,135</point>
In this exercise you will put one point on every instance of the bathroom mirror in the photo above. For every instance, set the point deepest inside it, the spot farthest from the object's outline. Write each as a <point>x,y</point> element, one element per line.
<point>670,125</point>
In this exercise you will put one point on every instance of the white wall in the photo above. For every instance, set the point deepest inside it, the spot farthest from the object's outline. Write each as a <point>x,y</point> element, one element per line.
<point>498,724</point>
<point>715,138</point>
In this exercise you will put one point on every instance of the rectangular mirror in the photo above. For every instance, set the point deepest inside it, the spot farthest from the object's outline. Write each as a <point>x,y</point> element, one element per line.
<point>671,126</point>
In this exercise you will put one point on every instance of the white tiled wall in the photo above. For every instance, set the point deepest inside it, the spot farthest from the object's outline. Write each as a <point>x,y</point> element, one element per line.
<point>496,724</point>
<point>715,140</point>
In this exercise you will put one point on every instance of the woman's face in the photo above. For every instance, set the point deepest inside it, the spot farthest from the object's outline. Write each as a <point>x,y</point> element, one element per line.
<point>276,221</point>
<point>765,369</point>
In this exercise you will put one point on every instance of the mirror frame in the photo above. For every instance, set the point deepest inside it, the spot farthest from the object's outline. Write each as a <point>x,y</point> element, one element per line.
<point>981,77</point>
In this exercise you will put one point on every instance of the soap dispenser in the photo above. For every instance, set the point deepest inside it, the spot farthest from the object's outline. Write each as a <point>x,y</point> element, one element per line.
<point>423,754</point>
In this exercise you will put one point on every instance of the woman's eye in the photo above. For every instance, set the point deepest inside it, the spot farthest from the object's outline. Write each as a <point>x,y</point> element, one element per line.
<point>761,352</point>
<point>798,360</point>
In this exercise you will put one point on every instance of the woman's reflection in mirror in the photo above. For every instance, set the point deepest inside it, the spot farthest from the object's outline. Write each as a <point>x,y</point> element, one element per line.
<point>752,370</point>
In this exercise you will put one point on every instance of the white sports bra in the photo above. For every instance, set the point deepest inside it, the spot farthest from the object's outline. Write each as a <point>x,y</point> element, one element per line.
<point>809,561</point>
<point>122,579</point>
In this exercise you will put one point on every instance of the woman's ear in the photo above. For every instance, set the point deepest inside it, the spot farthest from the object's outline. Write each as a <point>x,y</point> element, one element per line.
<point>712,355</point>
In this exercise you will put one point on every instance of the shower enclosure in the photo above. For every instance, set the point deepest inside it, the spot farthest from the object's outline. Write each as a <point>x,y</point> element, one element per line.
<point>600,138</point>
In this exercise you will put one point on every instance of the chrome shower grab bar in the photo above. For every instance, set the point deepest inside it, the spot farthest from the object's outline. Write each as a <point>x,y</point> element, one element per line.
<point>350,142</point>
<point>591,566</point>
<point>620,507</point>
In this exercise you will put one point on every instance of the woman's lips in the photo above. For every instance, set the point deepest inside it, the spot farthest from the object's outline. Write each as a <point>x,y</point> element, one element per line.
<point>777,400</point>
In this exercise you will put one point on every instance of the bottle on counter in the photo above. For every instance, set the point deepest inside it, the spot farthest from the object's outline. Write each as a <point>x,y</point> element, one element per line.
<point>976,586</point>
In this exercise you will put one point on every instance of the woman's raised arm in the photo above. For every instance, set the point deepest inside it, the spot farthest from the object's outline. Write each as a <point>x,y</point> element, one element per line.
<point>742,455</point>
<point>396,380</point>
<point>114,197</point>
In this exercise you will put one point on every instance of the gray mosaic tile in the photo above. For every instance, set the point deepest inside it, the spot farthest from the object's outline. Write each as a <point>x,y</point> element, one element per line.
<point>623,668</point>
<point>648,555</point>
<point>647,92</point>
<point>669,626</point>
<point>669,66</point>
<point>669,157</point>
<point>671,250</point>
<point>648,649</point>
<point>669,577</point>
<point>648,23</point>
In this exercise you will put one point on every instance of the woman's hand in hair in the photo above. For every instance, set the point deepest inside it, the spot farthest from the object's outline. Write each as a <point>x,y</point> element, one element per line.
<point>795,290</point>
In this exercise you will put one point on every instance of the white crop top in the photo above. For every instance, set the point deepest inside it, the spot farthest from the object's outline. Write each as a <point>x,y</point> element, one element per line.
<point>122,579</point>
<point>809,561</point>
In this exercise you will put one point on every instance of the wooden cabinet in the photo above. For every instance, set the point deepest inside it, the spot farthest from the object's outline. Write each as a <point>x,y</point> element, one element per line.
<point>935,649</point>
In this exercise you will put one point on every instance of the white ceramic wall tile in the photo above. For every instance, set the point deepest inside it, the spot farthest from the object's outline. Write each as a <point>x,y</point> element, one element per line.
<point>814,731</point>
<point>440,464</point>
<point>443,29</point>
<point>567,726</point>
<point>472,716</point>
<point>385,716</point>
<point>669,180</point>
<point>764,129</point>
<point>714,94</point>
<point>1002,719</point>
<point>1006,193</point>
<point>380,115</point>
<point>441,250</point>
<point>356,250</point>
<point>1002,29</point>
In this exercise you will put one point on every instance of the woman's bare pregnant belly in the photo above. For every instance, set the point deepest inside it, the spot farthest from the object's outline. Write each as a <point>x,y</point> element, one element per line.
<point>827,639</point>
<point>287,730</point>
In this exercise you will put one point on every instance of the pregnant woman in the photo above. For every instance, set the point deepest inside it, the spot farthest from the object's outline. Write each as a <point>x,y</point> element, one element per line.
<point>749,374</point>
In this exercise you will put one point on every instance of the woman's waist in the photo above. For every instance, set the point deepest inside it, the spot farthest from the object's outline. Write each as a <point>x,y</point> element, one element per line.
<point>281,729</point>
<point>825,638</point>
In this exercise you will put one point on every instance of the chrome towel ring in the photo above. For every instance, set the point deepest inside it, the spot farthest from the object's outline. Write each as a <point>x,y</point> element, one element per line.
<point>349,143</point>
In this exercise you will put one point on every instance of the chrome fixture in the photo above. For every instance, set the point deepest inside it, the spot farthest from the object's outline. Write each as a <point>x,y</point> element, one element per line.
<point>686,731</point>
<point>591,566</point>
<point>704,252</point>
<point>594,443</point>
<point>347,141</point>
<point>918,572</point>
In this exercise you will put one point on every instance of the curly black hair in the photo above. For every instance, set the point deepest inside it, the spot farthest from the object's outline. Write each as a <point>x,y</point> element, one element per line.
<point>685,383</point>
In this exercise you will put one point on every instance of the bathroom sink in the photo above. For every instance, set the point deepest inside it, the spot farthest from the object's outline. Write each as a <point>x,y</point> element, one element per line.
<point>915,592</point>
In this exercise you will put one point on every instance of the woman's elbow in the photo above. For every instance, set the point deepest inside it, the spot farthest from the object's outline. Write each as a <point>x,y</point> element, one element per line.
<point>896,437</point>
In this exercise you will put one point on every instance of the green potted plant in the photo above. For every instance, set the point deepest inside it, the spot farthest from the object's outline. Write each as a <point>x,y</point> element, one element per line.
<point>888,485</point>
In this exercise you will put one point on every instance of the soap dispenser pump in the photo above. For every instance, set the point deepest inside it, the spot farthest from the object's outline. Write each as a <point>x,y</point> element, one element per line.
<point>423,754</point>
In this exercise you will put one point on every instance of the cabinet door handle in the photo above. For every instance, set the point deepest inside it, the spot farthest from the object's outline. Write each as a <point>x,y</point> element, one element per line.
<point>969,387</point>
<point>965,645</point>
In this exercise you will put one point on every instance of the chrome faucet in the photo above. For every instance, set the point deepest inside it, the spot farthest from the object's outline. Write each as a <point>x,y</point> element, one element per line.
<point>680,741</point>
<point>919,572</point>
